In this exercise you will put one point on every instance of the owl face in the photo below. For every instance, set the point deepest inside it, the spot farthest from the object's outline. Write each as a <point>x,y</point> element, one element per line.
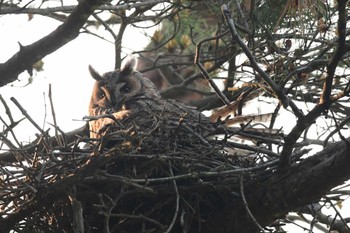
<point>118,93</point>
<point>113,90</point>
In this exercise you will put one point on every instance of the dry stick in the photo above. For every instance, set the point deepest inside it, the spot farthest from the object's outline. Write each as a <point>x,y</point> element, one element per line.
<point>277,91</point>
<point>204,71</point>
<point>24,112</point>
<point>339,126</point>
<point>7,142</point>
<point>77,209</point>
<point>177,201</point>
<point>7,109</point>
<point>4,170</point>
<point>9,128</point>
<point>241,14</point>
<point>127,182</point>
<point>117,38</point>
<point>192,175</point>
<point>59,140</point>
<point>118,44</point>
<point>337,212</point>
<point>139,217</point>
<point>241,189</point>
<point>334,224</point>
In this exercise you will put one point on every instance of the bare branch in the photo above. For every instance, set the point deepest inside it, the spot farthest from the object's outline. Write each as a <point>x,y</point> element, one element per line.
<point>338,54</point>
<point>204,71</point>
<point>279,93</point>
<point>28,55</point>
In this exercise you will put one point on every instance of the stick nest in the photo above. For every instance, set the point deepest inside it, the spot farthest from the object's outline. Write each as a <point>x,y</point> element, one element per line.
<point>161,180</point>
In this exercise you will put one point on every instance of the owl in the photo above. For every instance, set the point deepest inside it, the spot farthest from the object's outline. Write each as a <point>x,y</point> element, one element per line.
<point>124,100</point>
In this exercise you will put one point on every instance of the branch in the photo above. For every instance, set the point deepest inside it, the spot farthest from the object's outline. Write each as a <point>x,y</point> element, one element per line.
<point>338,55</point>
<point>325,100</point>
<point>28,55</point>
<point>9,157</point>
<point>197,61</point>
<point>271,197</point>
<point>24,112</point>
<point>68,9</point>
<point>282,97</point>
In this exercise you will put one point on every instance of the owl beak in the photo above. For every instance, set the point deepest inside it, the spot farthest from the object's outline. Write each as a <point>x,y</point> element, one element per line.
<point>120,105</point>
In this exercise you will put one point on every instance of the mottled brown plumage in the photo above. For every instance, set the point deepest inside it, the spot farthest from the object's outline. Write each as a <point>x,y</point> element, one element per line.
<point>124,99</point>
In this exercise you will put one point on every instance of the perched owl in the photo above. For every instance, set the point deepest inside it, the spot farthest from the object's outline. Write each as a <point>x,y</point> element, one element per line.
<point>124,99</point>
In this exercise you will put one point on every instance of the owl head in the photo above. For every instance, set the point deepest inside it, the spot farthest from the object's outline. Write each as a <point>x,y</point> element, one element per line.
<point>115,90</point>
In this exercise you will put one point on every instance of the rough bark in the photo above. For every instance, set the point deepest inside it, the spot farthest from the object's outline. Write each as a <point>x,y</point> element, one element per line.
<point>28,55</point>
<point>274,196</point>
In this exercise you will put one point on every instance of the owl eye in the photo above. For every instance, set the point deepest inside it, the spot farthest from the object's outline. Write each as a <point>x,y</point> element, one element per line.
<point>125,89</point>
<point>101,95</point>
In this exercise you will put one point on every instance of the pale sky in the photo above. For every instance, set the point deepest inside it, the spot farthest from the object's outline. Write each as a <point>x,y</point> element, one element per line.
<point>66,70</point>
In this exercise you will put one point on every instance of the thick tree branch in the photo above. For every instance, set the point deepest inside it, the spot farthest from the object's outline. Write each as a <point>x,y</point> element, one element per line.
<point>9,9</point>
<point>338,55</point>
<point>325,100</point>
<point>28,55</point>
<point>272,197</point>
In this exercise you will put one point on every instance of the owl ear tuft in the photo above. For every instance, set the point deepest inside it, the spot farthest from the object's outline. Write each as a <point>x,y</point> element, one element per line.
<point>128,65</point>
<point>95,74</point>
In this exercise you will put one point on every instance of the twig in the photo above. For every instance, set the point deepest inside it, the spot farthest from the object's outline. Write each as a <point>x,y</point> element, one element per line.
<point>126,182</point>
<point>241,14</point>
<point>241,189</point>
<point>24,112</point>
<point>4,170</point>
<point>30,148</point>
<point>204,71</point>
<point>277,91</point>
<point>9,128</point>
<point>337,212</point>
<point>161,45</point>
<point>283,13</point>
<point>192,175</point>
<point>7,109</point>
<point>254,149</point>
<point>59,141</point>
<point>315,210</point>
<point>6,141</point>
<point>139,217</point>
<point>184,125</point>
<point>177,201</point>
<point>338,129</point>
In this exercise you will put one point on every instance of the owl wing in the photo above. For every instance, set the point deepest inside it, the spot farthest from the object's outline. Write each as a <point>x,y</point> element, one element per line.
<point>99,124</point>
